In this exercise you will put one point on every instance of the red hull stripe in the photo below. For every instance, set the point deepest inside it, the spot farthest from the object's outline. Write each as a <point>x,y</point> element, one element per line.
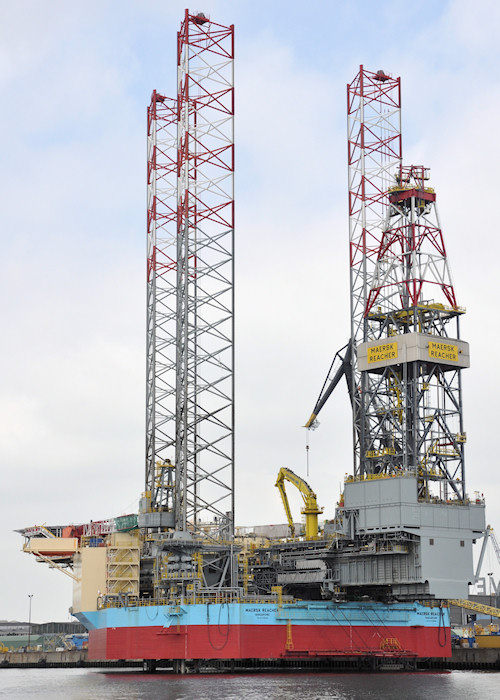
<point>266,642</point>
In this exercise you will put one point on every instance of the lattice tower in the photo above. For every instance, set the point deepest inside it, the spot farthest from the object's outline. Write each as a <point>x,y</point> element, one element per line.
<point>407,401</point>
<point>161,300</point>
<point>190,445</point>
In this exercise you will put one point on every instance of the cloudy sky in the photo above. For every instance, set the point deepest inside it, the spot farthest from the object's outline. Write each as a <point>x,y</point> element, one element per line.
<point>76,79</point>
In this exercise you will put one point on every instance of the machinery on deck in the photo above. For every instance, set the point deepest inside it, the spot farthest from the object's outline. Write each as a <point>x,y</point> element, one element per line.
<point>310,509</point>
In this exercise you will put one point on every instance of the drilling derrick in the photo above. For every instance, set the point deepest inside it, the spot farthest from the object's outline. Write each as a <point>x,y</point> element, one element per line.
<point>416,423</point>
<point>190,326</point>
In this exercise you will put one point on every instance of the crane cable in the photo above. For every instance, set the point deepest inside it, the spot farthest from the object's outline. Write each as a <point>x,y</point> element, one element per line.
<point>307,453</point>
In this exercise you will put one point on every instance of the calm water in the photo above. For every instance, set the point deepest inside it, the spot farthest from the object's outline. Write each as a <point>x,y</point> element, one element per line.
<point>87,684</point>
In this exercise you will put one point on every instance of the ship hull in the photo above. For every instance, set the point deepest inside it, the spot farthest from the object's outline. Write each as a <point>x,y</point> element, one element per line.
<point>252,631</point>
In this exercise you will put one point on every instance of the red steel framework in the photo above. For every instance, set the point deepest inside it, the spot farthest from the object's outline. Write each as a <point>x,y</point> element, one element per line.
<point>374,154</point>
<point>412,254</point>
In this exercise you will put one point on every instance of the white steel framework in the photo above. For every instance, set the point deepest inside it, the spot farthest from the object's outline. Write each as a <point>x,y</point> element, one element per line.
<point>204,449</point>
<point>161,299</point>
<point>374,153</point>
<point>190,414</point>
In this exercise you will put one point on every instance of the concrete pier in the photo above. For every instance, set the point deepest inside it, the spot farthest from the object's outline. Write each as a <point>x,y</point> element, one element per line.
<point>471,659</point>
<point>54,659</point>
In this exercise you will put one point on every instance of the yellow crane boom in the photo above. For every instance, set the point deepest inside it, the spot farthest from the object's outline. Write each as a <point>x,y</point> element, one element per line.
<point>310,509</point>
<point>477,607</point>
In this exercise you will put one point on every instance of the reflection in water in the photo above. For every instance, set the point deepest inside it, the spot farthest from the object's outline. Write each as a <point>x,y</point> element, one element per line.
<point>94,684</point>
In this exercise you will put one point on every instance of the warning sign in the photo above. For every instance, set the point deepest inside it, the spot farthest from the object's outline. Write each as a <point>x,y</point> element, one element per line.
<point>446,352</point>
<point>383,352</point>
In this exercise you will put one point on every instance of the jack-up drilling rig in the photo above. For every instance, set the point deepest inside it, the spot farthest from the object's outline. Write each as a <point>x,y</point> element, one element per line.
<point>175,583</point>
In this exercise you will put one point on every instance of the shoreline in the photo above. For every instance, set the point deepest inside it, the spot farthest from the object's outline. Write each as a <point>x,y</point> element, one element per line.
<point>461,659</point>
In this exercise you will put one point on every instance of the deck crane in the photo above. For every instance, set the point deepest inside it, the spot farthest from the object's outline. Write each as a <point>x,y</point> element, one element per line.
<point>310,509</point>
<point>340,367</point>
